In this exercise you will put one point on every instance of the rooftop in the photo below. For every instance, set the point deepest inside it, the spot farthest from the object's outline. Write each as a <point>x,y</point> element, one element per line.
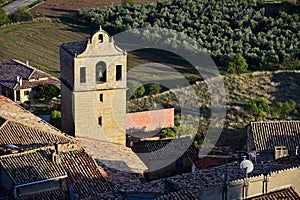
<point>267,135</point>
<point>12,69</point>
<point>75,47</point>
<point>31,166</point>
<point>286,193</point>
<point>25,130</point>
<point>211,178</point>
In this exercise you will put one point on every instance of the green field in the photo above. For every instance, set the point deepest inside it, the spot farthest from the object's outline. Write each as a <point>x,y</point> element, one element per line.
<point>38,42</point>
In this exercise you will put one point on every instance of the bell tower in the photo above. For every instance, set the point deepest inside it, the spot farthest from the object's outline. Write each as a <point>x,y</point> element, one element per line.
<point>93,94</point>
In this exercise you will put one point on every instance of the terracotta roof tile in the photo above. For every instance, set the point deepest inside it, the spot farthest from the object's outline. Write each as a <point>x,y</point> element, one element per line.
<point>182,195</point>
<point>211,178</point>
<point>47,195</point>
<point>25,129</point>
<point>31,166</point>
<point>287,193</point>
<point>83,174</point>
<point>267,135</point>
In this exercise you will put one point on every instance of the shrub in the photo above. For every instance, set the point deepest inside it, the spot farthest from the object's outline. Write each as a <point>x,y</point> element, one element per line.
<point>258,108</point>
<point>135,90</point>
<point>20,15</point>
<point>155,88</point>
<point>168,133</point>
<point>237,64</point>
<point>3,17</point>
<point>284,109</point>
<point>48,91</point>
<point>55,118</point>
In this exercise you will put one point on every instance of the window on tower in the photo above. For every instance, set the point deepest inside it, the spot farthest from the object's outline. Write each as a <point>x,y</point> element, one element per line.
<point>118,72</point>
<point>101,72</point>
<point>82,75</point>
<point>101,97</point>
<point>100,121</point>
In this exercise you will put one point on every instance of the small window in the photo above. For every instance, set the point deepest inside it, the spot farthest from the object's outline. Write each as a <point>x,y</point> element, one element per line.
<point>101,97</point>
<point>100,38</point>
<point>82,75</point>
<point>118,72</point>
<point>100,121</point>
<point>26,92</point>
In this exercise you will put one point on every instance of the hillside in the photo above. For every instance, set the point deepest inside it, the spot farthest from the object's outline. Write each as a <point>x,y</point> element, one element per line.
<point>276,86</point>
<point>38,42</point>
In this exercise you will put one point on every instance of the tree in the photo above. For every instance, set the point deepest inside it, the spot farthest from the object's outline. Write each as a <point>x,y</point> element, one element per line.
<point>20,15</point>
<point>258,108</point>
<point>155,88</point>
<point>55,118</point>
<point>135,89</point>
<point>284,109</point>
<point>3,17</point>
<point>169,132</point>
<point>237,64</point>
<point>48,91</point>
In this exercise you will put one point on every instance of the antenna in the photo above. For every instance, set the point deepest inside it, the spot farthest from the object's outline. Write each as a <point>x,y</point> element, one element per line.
<point>247,167</point>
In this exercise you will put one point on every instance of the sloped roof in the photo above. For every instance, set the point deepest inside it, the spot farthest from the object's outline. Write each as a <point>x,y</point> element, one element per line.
<point>81,170</point>
<point>10,70</point>
<point>182,195</point>
<point>267,135</point>
<point>211,178</point>
<point>75,47</point>
<point>47,195</point>
<point>20,127</point>
<point>31,166</point>
<point>83,174</point>
<point>114,156</point>
<point>286,193</point>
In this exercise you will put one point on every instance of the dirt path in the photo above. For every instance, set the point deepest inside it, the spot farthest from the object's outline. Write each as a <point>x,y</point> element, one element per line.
<point>15,5</point>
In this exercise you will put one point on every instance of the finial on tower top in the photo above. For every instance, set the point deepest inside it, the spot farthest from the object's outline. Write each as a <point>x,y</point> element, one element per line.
<point>100,28</point>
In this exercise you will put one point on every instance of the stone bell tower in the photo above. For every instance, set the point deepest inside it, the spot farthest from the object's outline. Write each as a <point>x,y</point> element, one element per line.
<point>93,94</point>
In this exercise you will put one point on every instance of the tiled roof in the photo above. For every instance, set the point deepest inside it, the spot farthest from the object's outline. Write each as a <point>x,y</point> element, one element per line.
<point>83,174</point>
<point>47,195</point>
<point>31,166</point>
<point>287,194</point>
<point>210,161</point>
<point>10,70</point>
<point>27,137</point>
<point>182,195</point>
<point>81,170</point>
<point>211,178</point>
<point>20,127</point>
<point>267,135</point>
<point>75,47</point>
<point>114,156</point>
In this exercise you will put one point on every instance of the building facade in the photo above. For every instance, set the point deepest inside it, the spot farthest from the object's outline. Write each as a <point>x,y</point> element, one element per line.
<point>93,75</point>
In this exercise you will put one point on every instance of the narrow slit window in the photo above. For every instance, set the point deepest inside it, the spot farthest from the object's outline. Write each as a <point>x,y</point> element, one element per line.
<point>101,97</point>
<point>82,75</point>
<point>100,121</point>
<point>118,72</point>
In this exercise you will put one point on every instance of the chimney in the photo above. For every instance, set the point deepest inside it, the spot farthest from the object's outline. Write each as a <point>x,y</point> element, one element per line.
<point>55,155</point>
<point>19,80</point>
<point>297,150</point>
<point>27,63</point>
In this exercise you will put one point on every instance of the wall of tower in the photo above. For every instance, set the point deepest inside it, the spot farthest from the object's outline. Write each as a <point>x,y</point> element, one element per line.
<point>67,120</point>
